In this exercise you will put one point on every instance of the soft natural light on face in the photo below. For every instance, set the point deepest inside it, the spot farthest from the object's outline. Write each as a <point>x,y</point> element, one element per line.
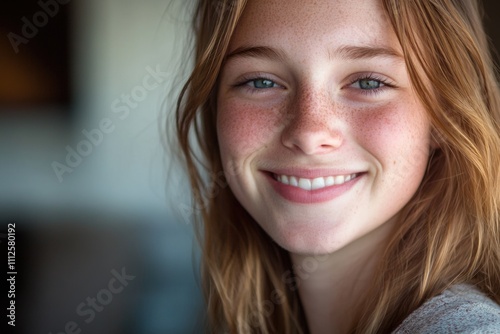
<point>305,100</point>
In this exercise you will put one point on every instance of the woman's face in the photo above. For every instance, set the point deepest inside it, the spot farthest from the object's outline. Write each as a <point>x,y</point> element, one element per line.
<point>321,136</point>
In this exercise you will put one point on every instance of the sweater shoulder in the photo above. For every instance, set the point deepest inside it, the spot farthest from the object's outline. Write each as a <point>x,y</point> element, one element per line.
<point>460,309</point>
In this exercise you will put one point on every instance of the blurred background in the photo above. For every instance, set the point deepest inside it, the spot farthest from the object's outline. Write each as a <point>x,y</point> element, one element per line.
<point>104,235</point>
<point>85,93</point>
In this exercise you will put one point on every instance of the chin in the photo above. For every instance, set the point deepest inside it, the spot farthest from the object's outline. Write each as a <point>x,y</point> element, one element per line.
<point>310,241</point>
<point>327,237</point>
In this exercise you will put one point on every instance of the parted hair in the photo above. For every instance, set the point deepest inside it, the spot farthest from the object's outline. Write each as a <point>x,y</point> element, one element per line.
<point>448,233</point>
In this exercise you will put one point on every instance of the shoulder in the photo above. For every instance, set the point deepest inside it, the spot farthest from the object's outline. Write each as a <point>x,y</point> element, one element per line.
<point>460,309</point>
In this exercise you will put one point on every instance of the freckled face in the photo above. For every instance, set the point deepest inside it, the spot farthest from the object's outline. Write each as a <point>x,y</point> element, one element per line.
<point>321,136</point>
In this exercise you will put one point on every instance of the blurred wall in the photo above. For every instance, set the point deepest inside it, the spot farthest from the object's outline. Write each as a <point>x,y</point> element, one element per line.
<point>126,56</point>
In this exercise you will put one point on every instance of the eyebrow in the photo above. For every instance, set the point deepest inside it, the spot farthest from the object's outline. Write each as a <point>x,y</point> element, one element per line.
<point>345,52</point>
<point>258,52</point>
<point>351,52</point>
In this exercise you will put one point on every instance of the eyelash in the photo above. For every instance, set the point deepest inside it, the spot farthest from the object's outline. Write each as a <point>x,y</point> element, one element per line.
<point>246,80</point>
<point>385,83</point>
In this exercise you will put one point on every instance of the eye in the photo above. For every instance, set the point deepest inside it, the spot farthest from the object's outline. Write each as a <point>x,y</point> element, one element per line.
<point>368,84</point>
<point>257,84</point>
<point>262,83</point>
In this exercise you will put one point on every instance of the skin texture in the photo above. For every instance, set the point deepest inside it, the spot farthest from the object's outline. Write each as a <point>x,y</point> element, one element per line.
<point>314,119</point>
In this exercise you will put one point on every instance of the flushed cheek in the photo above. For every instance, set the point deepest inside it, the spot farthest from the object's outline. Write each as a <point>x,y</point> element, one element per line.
<point>244,128</point>
<point>397,135</point>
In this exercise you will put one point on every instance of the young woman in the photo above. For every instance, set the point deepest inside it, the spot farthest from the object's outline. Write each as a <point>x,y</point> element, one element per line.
<point>349,177</point>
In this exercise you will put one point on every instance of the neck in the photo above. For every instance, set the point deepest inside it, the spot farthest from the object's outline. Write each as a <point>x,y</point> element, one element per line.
<point>331,285</point>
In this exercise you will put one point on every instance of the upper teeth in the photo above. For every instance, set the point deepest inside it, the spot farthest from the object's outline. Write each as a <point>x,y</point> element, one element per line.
<point>313,184</point>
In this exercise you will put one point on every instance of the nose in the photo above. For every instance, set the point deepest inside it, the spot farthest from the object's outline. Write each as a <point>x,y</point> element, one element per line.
<point>312,125</point>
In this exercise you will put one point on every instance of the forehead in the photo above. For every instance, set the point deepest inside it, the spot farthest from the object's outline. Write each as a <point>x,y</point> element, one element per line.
<point>314,22</point>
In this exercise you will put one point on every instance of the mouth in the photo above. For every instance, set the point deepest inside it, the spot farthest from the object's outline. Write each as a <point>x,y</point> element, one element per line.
<point>314,183</point>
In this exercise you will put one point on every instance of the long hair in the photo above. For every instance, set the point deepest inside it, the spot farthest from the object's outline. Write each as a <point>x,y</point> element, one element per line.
<point>448,233</point>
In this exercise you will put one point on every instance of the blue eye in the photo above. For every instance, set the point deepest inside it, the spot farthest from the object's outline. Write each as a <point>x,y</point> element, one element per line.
<point>368,84</point>
<point>262,83</point>
<point>258,84</point>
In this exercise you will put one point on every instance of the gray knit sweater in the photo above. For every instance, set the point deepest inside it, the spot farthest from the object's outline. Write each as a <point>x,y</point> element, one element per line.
<point>460,309</point>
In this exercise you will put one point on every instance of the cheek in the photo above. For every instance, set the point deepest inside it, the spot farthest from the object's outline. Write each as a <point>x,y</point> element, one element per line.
<point>243,128</point>
<point>394,121</point>
<point>397,135</point>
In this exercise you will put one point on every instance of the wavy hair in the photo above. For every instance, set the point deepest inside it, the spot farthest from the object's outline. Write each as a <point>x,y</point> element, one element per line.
<point>449,232</point>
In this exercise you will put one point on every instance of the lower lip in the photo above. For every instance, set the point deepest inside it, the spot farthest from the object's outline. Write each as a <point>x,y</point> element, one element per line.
<point>299,195</point>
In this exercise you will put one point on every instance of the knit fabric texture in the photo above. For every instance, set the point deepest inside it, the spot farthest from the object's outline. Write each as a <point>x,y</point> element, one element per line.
<point>460,309</point>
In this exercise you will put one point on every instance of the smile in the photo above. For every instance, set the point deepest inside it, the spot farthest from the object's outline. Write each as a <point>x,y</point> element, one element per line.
<point>316,183</point>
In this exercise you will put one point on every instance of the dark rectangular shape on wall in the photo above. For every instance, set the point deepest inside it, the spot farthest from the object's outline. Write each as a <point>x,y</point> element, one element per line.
<point>35,62</point>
